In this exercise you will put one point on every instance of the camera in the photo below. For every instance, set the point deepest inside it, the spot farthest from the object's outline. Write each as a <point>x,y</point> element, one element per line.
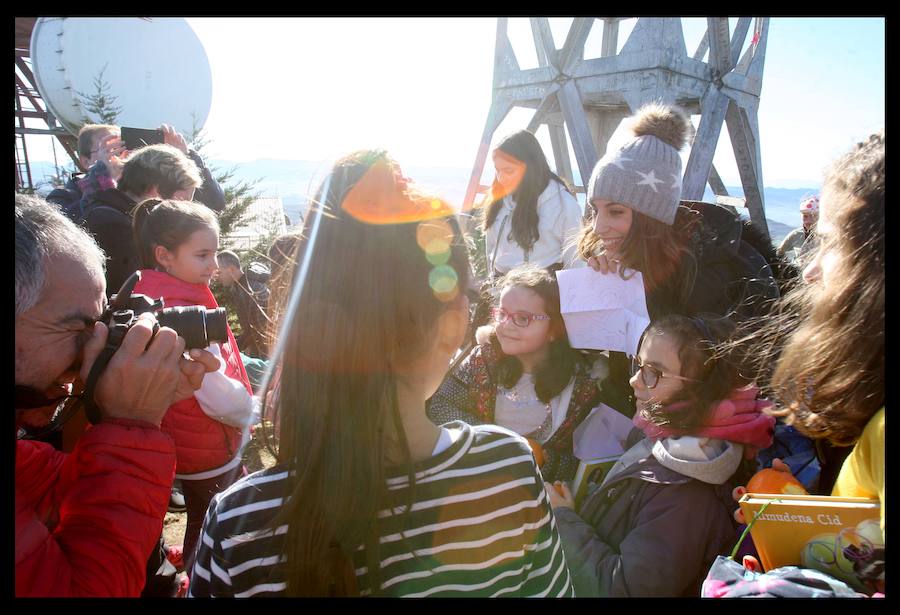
<point>196,324</point>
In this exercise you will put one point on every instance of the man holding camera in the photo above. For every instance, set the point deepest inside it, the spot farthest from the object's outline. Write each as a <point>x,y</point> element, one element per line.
<point>87,521</point>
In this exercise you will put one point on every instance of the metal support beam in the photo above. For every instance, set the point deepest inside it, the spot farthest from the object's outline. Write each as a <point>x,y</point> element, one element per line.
<point>560,146</point>
<point>610,37</point>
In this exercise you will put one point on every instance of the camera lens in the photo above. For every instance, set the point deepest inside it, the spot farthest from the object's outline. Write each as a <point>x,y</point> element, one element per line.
<point>197,325</point>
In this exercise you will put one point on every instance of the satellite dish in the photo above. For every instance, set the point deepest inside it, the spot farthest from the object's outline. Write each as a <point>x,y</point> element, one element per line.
<point>156,70</point>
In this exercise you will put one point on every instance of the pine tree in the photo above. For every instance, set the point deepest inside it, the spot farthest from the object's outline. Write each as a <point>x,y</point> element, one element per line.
<point>101,102</point>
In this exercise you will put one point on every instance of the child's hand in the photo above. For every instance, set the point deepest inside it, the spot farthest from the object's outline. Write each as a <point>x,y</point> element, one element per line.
<point>738,492</point>
<point>560,495</point>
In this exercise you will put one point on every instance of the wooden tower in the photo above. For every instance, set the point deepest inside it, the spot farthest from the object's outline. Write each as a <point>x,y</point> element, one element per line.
<point>585,99</point>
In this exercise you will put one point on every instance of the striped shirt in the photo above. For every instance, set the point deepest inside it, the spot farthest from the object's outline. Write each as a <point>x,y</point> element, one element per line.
<point>481,525</point>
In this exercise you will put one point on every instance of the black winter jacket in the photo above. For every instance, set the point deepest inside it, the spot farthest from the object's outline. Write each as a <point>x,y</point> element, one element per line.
<point>107,215</point>
<point>650,531</point>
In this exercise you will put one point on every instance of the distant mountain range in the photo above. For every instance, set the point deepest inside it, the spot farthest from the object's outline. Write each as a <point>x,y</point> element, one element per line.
<point>293,180</point>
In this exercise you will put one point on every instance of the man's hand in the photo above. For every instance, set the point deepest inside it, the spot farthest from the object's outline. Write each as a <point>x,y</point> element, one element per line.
<point>111,150</point>
<point>174,138</point>
<point>140,381</point>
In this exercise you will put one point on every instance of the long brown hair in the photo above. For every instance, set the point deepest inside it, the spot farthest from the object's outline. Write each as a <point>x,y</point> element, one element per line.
<point>659,251</point>
<point>829,378</point>
<point>369,307</point>
<point>524,148</point>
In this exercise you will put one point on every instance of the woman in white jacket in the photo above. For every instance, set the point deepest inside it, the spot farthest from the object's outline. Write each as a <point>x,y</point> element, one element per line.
<point>531,215</point>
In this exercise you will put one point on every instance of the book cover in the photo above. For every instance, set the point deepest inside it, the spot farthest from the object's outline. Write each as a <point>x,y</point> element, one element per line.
<point>590,471</point>
<point>837,535</point>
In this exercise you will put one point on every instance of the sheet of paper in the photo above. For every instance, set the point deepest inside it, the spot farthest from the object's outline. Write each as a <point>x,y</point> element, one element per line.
<point>602,434</point>
<point>603,311</point>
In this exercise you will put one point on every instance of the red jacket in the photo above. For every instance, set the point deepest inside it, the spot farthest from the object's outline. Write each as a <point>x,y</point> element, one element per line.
<point>87,521</point>
<point>201,443</point>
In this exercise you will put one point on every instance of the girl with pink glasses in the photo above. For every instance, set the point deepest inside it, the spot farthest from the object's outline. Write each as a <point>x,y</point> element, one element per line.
<point>526,377</point>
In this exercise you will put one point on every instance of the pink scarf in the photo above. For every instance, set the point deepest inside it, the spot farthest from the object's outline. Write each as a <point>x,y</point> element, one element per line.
<point>738,419</point>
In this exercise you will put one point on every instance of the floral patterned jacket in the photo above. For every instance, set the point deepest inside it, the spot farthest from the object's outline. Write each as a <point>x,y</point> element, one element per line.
<point>469,394</point>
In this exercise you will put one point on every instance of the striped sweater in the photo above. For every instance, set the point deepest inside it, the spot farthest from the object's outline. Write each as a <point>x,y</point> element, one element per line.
<point>480,526</point>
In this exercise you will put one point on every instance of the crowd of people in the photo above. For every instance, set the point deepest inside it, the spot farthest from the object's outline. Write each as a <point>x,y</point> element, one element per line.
<point>421,450</point>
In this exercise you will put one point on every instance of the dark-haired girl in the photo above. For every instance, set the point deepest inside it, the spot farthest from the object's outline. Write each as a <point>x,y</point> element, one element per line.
<point>526,378</point>
<point>531,215</point>
<point>177,243</point>
<point>369,497</point>
<point>658,519</point>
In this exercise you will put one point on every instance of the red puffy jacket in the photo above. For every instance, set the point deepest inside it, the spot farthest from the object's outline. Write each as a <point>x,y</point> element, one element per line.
<point>201,443</point>
<point>87,521</point>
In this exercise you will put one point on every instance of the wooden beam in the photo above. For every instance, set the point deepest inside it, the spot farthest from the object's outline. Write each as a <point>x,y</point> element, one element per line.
<point>719,46</point>
<point>573,49</point>
<point>713,108</point>
<point>579,131</point>
<point>499,110</point>
<point>560,146</point>
<point>610,45</point>
<point>547,106</point>
<point>737,39</point>
<point>744,144</point>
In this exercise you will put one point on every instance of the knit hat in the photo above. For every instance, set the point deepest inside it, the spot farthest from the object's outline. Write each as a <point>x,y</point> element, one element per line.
<point>810,204</point>
<point>645,173</point>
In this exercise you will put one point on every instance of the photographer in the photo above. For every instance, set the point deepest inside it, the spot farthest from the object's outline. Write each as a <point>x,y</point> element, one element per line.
<point>87,521</point>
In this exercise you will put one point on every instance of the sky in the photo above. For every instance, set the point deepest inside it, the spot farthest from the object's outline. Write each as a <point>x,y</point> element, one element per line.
<point>316,88</point>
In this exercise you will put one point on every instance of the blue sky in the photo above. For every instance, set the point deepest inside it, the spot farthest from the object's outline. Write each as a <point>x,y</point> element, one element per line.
<point>316,88</point>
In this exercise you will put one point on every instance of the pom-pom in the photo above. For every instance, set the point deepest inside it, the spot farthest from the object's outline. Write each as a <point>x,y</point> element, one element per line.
<point>665,122</point>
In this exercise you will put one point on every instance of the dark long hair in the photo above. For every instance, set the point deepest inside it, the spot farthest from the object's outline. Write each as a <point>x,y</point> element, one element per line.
<point>169,224</point>
<point>661,252</point>
<point>556,370</point>
<point>524,147</point>
<point>370,306</point>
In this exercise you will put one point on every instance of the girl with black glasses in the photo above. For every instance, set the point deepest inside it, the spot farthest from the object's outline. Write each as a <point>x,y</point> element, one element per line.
<point>661,515</point>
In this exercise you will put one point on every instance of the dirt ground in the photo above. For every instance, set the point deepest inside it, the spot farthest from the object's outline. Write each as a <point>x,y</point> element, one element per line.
<point>256,457</point>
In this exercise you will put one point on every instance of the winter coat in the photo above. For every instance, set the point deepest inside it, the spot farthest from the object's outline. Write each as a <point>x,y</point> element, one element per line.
<point>68,196</point>
<point>201,443</point>
<point>87,521</point>
<point>559,221</point>
<point>469,394</point>
<point>649,531</point>
<point>108,217</point>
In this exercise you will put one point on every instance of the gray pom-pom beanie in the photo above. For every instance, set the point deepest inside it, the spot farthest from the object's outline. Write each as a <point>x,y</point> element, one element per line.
<point>645,173</point>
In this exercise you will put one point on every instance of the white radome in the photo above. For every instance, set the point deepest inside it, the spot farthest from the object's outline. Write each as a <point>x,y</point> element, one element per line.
<point>156,69</point>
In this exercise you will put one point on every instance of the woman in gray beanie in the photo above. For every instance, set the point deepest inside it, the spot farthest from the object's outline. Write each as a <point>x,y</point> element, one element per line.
<point>691,255</point>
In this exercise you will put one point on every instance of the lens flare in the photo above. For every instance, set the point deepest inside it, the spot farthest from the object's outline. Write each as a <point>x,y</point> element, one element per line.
<point>435,237</point>
<point>383,196</point>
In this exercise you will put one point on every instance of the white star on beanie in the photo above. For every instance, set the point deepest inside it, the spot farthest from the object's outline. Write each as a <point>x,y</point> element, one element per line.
<point>649,179</point>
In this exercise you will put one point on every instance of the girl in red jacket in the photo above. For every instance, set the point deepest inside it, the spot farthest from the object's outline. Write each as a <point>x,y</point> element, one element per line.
<point>177,243</point>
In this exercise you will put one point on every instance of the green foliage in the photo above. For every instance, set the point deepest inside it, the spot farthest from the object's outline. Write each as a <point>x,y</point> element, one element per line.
<point>101,102</point>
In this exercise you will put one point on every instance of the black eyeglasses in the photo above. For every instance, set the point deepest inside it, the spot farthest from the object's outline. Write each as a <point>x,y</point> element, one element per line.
<point>520,319</point>
<point>651,375</point>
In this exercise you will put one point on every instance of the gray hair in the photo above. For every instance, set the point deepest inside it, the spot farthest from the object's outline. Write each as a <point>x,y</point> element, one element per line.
<point>42,232</point>
<point>227,257</point>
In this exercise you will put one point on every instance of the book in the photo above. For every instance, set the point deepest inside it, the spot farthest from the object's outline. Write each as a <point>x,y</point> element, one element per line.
<point>839,536</point>
<point>590,471</point>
